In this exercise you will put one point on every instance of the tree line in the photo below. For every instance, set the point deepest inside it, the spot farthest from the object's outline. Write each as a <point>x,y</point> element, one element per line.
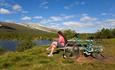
<point>105,33</point>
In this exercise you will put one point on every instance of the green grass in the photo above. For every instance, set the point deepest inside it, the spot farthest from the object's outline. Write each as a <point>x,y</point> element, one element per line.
<point>37,59</point>
<point>109,46</point>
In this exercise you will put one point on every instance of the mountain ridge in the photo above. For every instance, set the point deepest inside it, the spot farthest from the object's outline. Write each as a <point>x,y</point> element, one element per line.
<point>39,27</point>
<point>25,26</point>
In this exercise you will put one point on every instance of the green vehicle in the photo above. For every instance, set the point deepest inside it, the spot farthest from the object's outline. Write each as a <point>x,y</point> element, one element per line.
<point>88,47</point>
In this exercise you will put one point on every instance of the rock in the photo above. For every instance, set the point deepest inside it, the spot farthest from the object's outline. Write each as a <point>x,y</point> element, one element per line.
<point>0,25</point>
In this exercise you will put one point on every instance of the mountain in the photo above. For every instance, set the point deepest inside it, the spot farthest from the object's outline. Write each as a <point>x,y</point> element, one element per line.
<point>18,31</point>
<point>39,27</point>
<point>8,26</point>
<point>12,26</point>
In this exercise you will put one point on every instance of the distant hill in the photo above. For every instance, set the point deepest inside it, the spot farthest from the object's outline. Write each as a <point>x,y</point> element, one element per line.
<point>12,26</point>
<point>20,31</point>
<point>3,27</point>
<point>24,27</point>
<point>39,27</point>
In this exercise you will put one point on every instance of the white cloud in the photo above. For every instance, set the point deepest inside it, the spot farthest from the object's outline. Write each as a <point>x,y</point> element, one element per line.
<point>71,5</point>
<point>38,17</point>
<point>53,19</point>
<point>26,18</point>
<point>74,4</point>
<point>44,4</point>
<point>61,18</point>
<point>4,11</point>
<point>68,17</point>
<point>56,21</point>
<point>17,7</point>
<point>78,24</point>
<point>87,19</point>
<point>110,22</point>
<point>72,23</point>
<point>56,26</point>
<point>45,21</point>
<point>56,18</point>
<point>86,23</point>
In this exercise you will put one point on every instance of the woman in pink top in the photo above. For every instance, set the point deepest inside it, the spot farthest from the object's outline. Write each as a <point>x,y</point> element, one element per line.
<point>60,43</point>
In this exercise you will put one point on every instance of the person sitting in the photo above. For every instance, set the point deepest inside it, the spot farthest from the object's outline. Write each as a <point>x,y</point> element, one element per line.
<point>60,43</point>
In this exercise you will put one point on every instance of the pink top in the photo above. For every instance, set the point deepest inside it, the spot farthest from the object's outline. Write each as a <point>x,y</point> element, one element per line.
<point>61,40</point>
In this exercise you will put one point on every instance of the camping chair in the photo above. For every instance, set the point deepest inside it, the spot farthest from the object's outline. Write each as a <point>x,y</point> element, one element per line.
<point>70,50</point>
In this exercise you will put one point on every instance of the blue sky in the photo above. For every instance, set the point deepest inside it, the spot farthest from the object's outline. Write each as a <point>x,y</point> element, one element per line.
<point>79,15</point>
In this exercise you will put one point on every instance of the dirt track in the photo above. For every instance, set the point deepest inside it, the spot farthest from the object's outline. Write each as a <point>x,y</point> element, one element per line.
<point>89,59</point>
<point>110,60</point>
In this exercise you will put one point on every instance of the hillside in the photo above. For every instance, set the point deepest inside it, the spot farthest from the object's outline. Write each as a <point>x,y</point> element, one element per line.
<point>5,26</point>
<point>39,27</point>
<point>18,31</point>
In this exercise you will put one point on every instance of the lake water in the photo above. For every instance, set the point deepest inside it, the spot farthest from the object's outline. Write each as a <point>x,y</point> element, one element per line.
<point>11,44</point>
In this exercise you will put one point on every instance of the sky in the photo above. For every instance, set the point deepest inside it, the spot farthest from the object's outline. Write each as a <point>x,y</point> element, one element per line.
<point>83,16</point>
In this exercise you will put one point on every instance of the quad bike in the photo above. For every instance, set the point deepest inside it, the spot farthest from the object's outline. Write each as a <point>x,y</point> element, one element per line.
<point>89,47</point>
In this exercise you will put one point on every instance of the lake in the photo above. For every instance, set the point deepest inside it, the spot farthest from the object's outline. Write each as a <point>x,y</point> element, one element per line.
<point>11,44</point>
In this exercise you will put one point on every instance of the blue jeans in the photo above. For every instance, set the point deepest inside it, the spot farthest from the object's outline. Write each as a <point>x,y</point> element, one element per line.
<point>59,45</point>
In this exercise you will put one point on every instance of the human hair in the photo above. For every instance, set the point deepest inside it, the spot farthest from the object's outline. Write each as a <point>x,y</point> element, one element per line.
<point>59,32</point>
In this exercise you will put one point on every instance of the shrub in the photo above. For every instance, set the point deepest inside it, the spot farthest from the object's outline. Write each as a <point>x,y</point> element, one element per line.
<point>69,33</point>
<point>25,44</point>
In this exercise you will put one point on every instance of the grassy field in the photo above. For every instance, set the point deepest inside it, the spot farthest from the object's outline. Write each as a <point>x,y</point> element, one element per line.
<point>109,46</point>
<point>37,59</point>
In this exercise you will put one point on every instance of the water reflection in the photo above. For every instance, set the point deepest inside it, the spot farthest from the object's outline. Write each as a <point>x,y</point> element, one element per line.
<point>11,44</point>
